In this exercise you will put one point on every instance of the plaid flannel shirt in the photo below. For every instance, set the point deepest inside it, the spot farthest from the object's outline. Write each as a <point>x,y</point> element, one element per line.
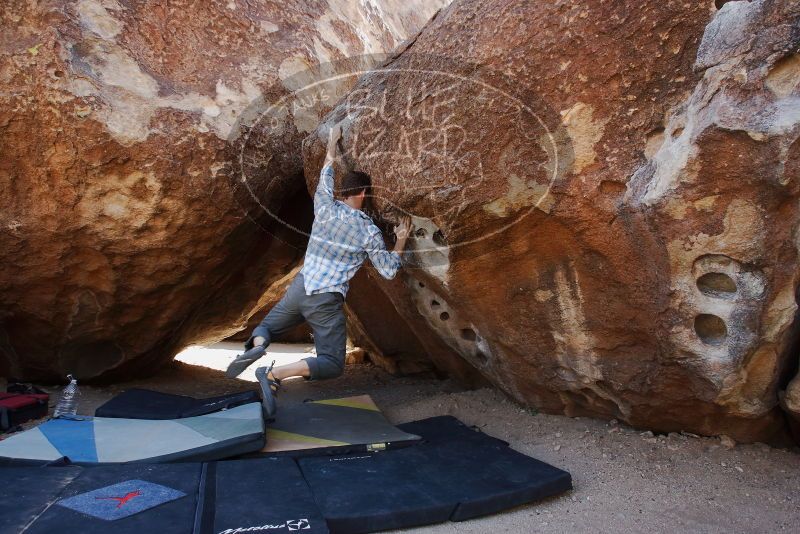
<point>341,239</point>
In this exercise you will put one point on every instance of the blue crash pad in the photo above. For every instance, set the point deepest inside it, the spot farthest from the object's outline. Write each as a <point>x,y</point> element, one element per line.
<point>93,440</point>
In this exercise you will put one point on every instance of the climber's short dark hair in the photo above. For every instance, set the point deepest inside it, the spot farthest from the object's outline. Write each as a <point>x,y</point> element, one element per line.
<point>353,183</point>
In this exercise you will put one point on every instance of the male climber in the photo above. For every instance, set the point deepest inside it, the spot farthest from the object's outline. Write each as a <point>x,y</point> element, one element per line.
<point>342,237</point>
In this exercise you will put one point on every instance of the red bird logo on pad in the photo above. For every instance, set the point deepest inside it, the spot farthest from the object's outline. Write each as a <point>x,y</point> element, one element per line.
<point>122,500</point>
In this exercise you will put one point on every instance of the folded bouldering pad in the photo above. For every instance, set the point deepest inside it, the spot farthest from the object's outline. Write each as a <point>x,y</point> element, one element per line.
<point>352,424</point>
<point>455,473</point>
<point>25,492</point>
<point>98,440</point>
<point>148,404</point>
<point>122,499</point>
<point>258,495</point>
<point>458,474</point>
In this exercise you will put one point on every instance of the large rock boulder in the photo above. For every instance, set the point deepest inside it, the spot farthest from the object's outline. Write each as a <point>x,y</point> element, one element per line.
<point>606,196</point>
<point>141,180</point>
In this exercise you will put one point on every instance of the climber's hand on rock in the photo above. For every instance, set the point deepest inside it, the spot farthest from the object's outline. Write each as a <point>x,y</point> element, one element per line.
<point>335,133</point>
<point>404,228</point>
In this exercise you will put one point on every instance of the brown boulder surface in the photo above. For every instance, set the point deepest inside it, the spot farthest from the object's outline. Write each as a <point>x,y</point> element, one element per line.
<point>606,197</point>
<point>138,184</point>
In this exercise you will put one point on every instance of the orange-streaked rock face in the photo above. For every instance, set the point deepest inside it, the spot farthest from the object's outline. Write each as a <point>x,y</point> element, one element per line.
<point>130,223</point>
<point>606,200</point>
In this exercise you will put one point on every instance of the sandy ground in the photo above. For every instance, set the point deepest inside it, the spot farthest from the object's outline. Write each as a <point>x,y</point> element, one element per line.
<point>625,480</point>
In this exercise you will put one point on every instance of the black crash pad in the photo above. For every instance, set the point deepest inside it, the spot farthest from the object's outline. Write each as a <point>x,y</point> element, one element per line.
<point>134,498</point>
<point>147,404</point>
<point>259,495</point>
<point>458,474</point>
<point>262,495</point>
<point>447,428</point>
<point>26,491</point>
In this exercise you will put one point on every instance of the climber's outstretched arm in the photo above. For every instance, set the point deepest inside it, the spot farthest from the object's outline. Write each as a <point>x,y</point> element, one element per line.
<point>333,137</point>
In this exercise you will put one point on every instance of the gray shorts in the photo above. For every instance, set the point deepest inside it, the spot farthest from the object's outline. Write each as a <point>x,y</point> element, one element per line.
<point>325,315</point>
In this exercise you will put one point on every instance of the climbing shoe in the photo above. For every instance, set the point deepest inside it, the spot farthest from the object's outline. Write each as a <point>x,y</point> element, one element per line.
<point>269,390</point>
<point>244,360</point>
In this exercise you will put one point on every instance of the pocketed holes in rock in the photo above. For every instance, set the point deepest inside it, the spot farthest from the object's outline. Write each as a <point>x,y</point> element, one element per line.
<point>467,335</point>
<point>710,328</point>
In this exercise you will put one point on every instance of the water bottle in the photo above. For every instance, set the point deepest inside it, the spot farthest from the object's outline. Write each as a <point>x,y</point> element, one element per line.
<point>68,403</point>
